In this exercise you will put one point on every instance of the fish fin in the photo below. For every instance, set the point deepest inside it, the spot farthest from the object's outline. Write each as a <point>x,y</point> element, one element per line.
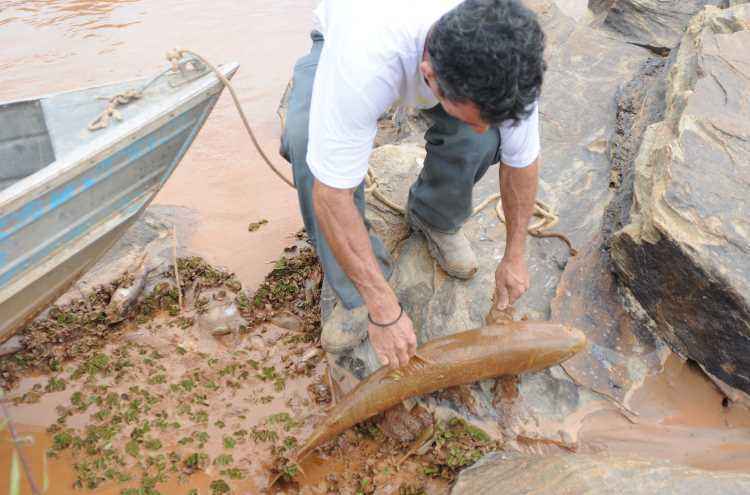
<point>421,359</point>
<point>332,386</point>
<point>392,376</point>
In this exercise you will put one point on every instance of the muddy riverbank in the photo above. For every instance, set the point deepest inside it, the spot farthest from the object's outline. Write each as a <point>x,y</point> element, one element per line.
<point>157,402</point>
<point>154,401</point>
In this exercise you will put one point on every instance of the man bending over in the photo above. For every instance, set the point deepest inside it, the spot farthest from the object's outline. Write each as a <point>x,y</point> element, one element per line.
<point>475,68</point>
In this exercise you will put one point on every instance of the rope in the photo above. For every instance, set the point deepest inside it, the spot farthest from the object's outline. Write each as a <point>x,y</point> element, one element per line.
<point>111,111</point>
<point>121,99</point>
<point>547,217</point>
<point>175,55</point>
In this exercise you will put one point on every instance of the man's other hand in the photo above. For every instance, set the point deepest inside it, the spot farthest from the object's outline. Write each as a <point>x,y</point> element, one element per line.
<point>395,344</point>
<point>511,282</point>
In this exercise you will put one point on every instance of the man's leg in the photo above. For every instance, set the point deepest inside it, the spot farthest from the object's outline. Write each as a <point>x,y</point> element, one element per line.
<point>440,200</point>
<point>337,337</point>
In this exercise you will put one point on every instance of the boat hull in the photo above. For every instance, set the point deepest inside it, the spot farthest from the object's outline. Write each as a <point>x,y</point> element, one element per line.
<point>52,231</point>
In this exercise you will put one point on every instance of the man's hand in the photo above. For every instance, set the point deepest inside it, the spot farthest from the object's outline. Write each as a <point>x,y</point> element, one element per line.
<point>518,190</point>
<point>396,344</point>
<point>511,281</point>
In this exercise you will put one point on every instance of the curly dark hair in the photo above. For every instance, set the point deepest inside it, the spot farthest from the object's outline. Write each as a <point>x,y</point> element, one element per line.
<point>490,52</point>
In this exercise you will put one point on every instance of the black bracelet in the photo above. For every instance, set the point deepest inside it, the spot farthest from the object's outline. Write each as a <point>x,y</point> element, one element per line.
<point>384,325</point>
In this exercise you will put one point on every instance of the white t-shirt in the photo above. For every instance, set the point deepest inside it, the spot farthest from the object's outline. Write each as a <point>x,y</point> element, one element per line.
<point>370,60</point>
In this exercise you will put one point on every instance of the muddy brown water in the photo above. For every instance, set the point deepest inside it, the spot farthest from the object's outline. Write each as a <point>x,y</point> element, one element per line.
<point>57,45</point>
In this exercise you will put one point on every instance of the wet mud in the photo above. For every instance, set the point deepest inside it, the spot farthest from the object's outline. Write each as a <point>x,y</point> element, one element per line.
<point>150,402</point>
<point>682,417</point>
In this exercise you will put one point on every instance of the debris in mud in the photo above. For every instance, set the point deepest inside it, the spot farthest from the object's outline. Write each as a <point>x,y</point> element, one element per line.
<point>148,408</point>
<point>65,333</point>
<point>457,446</point>
<point>293,286</point>
<point>155,412</point>
<point>195,273</point>
<point>320,392</point>
<point>82,326</point>
<point>256,225</point>
<point>369,461</point>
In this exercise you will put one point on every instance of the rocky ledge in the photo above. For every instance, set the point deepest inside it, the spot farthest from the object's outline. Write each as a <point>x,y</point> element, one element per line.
<point>579,474</point>
<point>685,254</point>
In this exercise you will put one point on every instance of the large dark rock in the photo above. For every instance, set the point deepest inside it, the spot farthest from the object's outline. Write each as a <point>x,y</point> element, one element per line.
<point>578,108</point>
<point>654,23</point>
<point>686,253</point>
<point>586,474</point>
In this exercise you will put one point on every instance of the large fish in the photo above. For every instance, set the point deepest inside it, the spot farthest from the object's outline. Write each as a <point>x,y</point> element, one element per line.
<point>510,348</point>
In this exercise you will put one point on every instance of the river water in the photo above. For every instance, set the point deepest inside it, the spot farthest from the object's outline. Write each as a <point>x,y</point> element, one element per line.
<point>57,45</point>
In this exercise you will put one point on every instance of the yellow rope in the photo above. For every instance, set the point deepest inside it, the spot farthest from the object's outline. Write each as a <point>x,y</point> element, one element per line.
<point>111,111</point>
<point>547,217</point>
<point>176,55</point>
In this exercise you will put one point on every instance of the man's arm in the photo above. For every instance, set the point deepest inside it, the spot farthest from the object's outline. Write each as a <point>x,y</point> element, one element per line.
<point>518,188</point>
<point>343,228</point>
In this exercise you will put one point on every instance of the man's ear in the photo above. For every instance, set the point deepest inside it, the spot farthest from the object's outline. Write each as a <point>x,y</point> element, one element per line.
<point>426,69</point>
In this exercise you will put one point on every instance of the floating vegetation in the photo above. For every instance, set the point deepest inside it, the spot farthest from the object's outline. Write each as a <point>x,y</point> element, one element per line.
<point>254,226</point>
<point>294,286</point>
<point>457,445</point>
<point>155,413</point>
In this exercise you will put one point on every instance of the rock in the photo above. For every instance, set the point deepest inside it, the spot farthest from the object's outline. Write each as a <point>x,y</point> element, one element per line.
<point>578,108</point>
<point>271,334</point>
<point>221,318</point>
<point>589,474</point>
<point>622,349</point>
<point>576,9</point>
<point>394,168</point>
<point>11,346</point>
<point>685,253</point>
<point>288,320</point>
<point>129,290</point>
<point>400,125</point>
<point>641,102</point>
<point>405,425</point>
<point>658,24</point>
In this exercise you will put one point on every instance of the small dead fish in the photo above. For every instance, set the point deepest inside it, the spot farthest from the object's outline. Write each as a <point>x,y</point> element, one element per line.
<point>508,349</point>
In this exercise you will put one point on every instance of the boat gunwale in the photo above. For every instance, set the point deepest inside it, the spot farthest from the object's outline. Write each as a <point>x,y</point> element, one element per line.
<point>62,170</point>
